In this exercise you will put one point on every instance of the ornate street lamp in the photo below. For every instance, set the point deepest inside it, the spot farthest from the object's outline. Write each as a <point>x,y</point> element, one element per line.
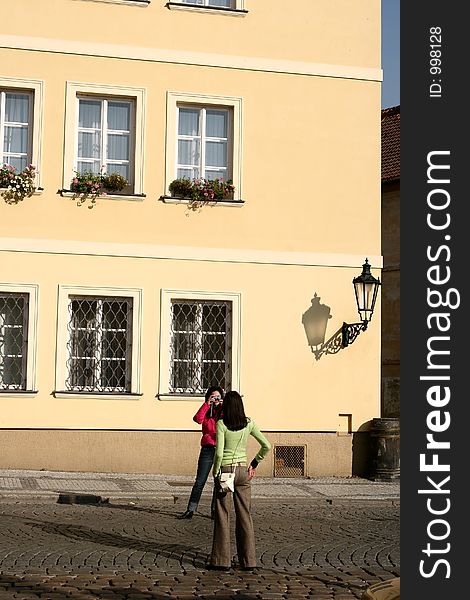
<point>366,287</point>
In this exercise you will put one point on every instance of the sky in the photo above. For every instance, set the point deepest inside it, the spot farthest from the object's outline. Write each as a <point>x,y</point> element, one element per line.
<point>390,53</point>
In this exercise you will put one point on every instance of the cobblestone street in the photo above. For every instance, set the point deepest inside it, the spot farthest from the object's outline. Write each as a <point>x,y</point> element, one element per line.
<point>307,548</point>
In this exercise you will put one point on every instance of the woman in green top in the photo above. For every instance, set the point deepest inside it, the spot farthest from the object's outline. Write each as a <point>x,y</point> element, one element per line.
<point>232,434</point>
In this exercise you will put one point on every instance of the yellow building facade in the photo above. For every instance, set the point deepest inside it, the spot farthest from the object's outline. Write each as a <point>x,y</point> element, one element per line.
<point>115,318</point>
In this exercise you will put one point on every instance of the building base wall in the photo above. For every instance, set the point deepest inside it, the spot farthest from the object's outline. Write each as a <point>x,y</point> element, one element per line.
<point>165,452</point>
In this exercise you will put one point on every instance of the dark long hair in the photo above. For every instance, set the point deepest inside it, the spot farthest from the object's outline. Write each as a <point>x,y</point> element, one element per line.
<point>213,388</point>
<point>234,412</point>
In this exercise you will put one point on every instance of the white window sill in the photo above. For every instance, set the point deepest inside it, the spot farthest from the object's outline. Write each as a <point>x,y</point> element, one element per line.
<point>18,393</point>
<point>173,200</point>
<point>97,396</point>
<point>133,197</point>
<point>141,3</point>
<point>178,397</point>
<point>214,10</point>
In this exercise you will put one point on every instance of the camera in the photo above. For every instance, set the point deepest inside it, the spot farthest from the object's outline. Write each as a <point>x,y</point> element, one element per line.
<point>216,399</point>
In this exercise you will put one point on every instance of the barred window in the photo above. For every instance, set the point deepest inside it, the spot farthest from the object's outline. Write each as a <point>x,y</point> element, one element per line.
<point>99,346</point>
<point>13,340</point>
<point>201,341</point>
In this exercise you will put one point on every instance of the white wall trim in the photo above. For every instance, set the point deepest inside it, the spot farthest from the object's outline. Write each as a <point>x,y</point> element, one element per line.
<point>151,251</point>
<point>250,63</point>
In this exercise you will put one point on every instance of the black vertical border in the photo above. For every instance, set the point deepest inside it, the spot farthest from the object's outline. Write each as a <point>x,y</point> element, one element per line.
<point>434,124</point>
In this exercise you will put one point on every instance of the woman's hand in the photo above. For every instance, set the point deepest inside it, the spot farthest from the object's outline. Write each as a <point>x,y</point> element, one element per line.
<point>251,473</point>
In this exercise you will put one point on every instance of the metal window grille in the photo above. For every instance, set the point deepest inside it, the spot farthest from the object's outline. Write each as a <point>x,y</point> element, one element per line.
<point>99,346</point>
<point>289,461</point>
<point>13,340</point>
<point>201,345</point>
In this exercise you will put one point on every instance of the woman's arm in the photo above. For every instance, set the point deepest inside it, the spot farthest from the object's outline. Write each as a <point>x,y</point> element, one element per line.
<point>264,443</point>
<point>201,413</point>
<point>219,447</point>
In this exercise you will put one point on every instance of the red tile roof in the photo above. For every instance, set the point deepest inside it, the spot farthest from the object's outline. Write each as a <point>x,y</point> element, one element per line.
<point>390,144</point>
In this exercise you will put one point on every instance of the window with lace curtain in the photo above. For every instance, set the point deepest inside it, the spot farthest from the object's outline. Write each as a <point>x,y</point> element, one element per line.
<point>16,112</point>
<point>105,137</point>
<point>204,142</point>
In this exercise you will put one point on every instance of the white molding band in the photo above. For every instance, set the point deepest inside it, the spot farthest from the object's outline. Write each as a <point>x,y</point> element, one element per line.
<point>189,58</point>
<point>153,251</point>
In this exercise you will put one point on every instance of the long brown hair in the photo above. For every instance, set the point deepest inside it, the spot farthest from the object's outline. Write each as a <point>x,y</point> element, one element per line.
<point>234,413</point>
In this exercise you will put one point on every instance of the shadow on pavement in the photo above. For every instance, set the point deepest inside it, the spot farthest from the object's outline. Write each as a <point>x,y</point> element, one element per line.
<point>178,552</point>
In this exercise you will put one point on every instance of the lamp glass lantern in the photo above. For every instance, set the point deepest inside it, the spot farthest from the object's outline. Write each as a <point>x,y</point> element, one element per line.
<point>366,287</point>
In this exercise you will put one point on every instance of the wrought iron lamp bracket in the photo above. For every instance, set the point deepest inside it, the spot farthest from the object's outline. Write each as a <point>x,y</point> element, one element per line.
<point>342,338</point>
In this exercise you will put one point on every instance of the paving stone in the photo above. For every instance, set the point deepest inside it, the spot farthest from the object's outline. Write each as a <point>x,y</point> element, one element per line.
<point>326,552</point>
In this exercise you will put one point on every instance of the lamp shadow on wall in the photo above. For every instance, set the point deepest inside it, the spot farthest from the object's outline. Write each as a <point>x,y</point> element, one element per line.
<point>315,320</point>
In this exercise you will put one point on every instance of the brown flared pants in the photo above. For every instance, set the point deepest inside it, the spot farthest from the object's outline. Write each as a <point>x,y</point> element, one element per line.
<point>244,533</point>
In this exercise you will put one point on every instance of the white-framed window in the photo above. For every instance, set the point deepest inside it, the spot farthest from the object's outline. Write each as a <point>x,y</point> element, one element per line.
<point>18,326</point>
<point>200,342</point>
<point>16,115</point>
<point>21,108</point>
<point>99,341</point>
<point>205,142</point>
<point>204,138</point>
<point>105,136</point>
<point>105,133</point>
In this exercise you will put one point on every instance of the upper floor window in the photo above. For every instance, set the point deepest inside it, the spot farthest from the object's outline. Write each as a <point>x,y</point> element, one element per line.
<point>204,138</point>
<point>105,136</point>
<point>16,113</point>
<point>204,142</point>
<point>104,133</point>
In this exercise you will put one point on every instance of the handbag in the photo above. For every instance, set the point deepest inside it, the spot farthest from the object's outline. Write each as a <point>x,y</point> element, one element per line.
<point>227,478</point>
<point>227,481</point>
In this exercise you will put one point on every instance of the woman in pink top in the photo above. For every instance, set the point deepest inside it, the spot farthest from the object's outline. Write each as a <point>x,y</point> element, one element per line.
<point>206,416</point>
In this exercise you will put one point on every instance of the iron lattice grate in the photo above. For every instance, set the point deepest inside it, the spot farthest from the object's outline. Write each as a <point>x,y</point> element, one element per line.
<point>99,344</point>
<point>200,345</point>
<point>289,461</point>
<point>13,340</point>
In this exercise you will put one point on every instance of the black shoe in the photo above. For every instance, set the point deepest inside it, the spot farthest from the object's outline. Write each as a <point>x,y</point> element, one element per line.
<point>217,568</point>
<point>249,569</point>
<point>186,515</point>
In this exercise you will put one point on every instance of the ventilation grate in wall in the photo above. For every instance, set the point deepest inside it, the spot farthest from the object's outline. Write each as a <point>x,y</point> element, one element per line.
<point>289,461</point>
